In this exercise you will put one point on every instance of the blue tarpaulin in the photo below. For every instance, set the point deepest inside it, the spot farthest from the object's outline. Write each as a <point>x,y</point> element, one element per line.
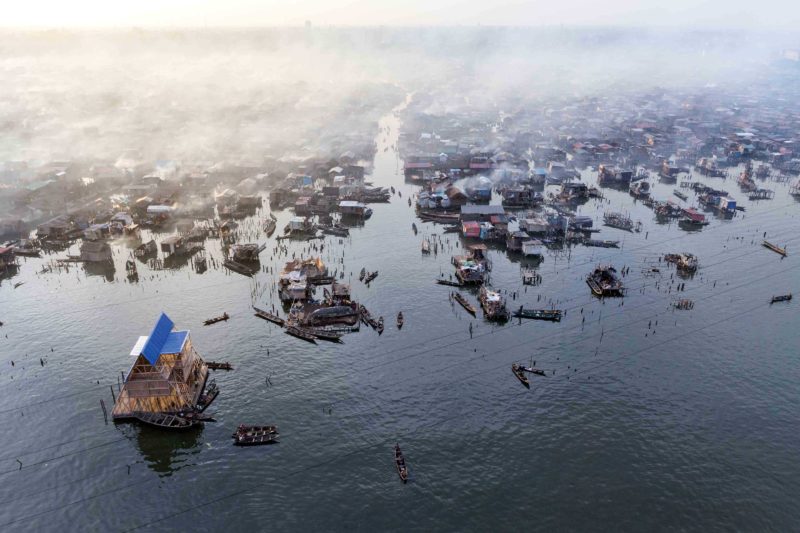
<point>158,338</point>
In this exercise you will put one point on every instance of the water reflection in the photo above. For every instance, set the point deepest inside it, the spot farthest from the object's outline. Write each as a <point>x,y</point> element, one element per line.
<point>166,452</point>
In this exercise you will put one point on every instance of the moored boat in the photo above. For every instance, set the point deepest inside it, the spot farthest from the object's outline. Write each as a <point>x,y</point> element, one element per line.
<point>781,298</point>
<point>539,314</point>
<point>464,303</point>
<point>301,334</point>
<point>493,305</point>
<point>213,365</point>
<point>604,282</point>
<point>400,320</point>
<point>269,316</point>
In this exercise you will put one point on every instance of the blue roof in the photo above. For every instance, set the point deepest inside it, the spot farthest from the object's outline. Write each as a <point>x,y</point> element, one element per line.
<point>157,339</point>
<point>174,342</point>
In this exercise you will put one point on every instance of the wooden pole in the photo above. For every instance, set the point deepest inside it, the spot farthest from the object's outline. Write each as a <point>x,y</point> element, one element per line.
<point>105,413</point>
<point>112,393</point>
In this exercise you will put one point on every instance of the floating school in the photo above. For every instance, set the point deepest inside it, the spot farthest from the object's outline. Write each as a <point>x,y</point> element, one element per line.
<point>167,375</point>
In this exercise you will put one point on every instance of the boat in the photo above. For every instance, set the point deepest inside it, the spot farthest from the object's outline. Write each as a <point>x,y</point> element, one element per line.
<point>413,224</point>
<point>426,246</point>
<point>165,420</point>
<point>775,248</point>
<point>213,365</point>
<point>244,429</point>
<point>362,274</point>
<point>532,370</point>
<point>269,226</point>
<point>539,314</point>
<point>601,243</point>
<point>336,230</point>
<point>464,303</point>
<point>367,318</point>
<point>493,305</point>
<point>247,439</point>
<point>680,195</point>
<point>240,268</point>
<point>146,249</point>
<point>781,298</point>
<point>604,282</point>
<point>324,334</point>
<point>517,370</point>
<point>400,320</point>
<point>618,221</point>
<point>222,317</point>
<point>400,463</point>
<point>440,218</point>
<point>269,316</point>
<point>685,262</point>
<point>380,326</point>
<point>371,276</point>
<point>207,397</point>
<point>300,333</point>
<point>640,189</point>
<point>449,283</point>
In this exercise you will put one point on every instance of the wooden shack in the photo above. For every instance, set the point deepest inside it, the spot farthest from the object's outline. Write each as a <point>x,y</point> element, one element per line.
<point>96,252</point>
<point>166,375</point>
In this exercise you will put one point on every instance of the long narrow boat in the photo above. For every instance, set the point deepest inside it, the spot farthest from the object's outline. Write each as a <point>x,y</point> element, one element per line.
<point>781,298</point>
<point>400,320</point>
<point>269,227</point>
<point>680,195</point>
<point>775,248</point>
<point>400,463</point>
<point>255,440</point>
<point>213,365</point>
<point>164,420</point>
<point>269,316</point>
<point>371,276</point>
<point>449,283</point>
<point>464,303</point>
<point>517,370</point>
<point>235,266</point>
<point>244,429</point>
<point>539,314</point>
<point>380,326</point>
<point>324,335</point>
<point>532,370</point>
<point>301,334</point>
<point>222,317</point>
<point>362,274</point>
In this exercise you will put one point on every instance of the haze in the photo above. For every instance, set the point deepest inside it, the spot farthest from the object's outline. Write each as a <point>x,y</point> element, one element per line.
<point>249,13</point>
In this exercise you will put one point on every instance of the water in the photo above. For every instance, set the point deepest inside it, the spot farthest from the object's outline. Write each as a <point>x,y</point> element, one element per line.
<point>687,424</point>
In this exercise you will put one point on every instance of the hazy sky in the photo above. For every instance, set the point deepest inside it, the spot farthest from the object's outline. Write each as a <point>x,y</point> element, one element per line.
<point>104,13</point>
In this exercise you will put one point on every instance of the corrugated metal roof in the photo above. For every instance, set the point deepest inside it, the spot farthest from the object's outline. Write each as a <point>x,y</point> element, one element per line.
<point>158,337</point>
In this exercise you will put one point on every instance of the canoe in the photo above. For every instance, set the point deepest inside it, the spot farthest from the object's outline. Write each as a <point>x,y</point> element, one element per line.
<point>539,314</point>
<point>449,283</point>
<point>464,303</point>
<point>781,298</point>
<point>775,248</point>
<point>212,365</point>
<point>224,316</point>
<point>400,320</point>
<point>517,370</point>
<point>324,335</point>
<point>531,370</point>
<point>255,440</point>
<point>269,316</point>
<point>301,334</point>
<point>244,429</point>
<point>400,463</point>
<point>380,325</point>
